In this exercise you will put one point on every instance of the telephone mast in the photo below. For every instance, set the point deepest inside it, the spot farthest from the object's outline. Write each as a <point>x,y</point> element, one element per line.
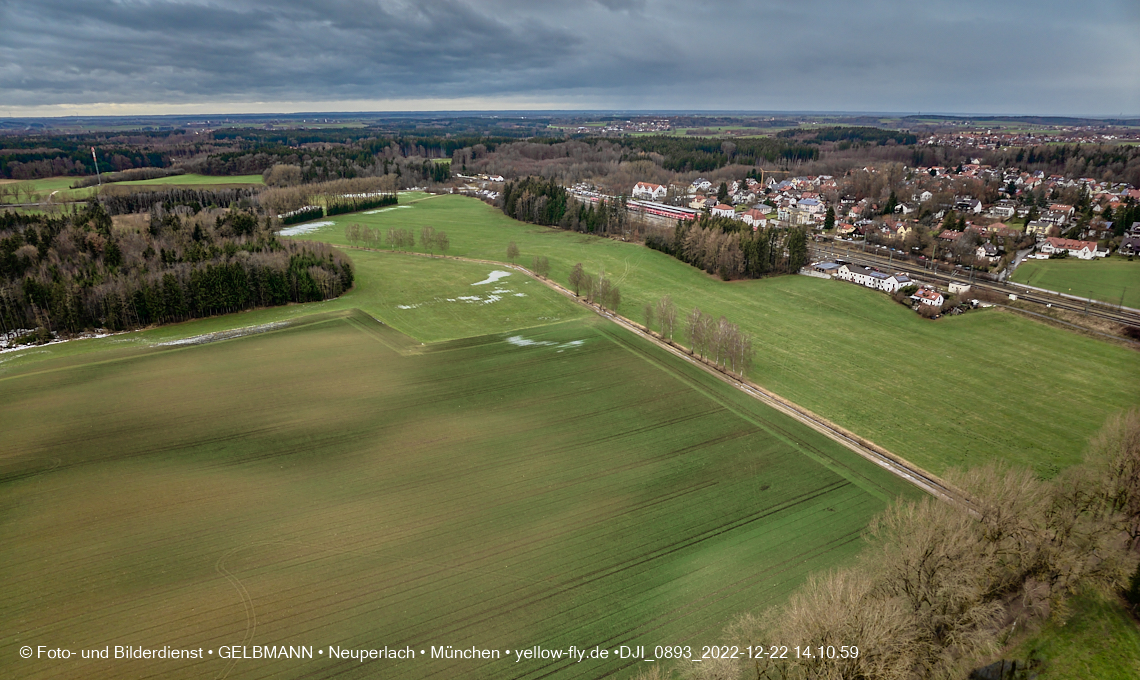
<point>97,175</point>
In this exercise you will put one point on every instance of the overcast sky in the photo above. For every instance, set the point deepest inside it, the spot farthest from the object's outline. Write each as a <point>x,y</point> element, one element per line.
<point>87,57</point>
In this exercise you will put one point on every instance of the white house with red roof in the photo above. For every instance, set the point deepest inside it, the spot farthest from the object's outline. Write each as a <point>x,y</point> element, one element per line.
<point>928,296</point>
<point>1084,250</point>
<point>754,218</point>
<point>652,192</point>
<point>722,210</point>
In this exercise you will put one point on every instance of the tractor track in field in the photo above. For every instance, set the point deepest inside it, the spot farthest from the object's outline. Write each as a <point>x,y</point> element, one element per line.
<point>896,465</point>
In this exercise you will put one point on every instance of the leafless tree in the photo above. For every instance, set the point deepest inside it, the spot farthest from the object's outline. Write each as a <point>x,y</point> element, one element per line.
<point>541,266</point>
<point>427,238</point>
<point>576,274</point>
<point>512,251</point>
<point>666,316</point>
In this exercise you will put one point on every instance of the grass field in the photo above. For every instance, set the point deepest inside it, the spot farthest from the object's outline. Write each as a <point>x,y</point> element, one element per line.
<point>956,392</point>
<point>198,180</point>
<point>1099,639</point>
<point>1111,279</point>
<point>61,186</point>
<point>336,483</point>
<point>415,295</point>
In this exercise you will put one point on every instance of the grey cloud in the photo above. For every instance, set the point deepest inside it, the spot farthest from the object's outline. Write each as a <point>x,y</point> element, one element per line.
<point>1045,57</point>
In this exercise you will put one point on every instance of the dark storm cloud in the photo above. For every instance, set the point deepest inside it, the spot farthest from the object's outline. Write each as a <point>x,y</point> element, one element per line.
<point>1048,57</point>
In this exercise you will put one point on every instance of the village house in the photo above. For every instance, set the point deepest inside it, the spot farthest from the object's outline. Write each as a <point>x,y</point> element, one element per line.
<point>1084,250</point>
<point>722,210</point>
<point>754,218</point>
<point>649,192</point>
<point>928,296</point>
<point>1129,246</point>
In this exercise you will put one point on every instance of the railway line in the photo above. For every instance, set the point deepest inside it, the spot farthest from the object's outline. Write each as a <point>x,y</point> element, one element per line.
<point>1091,308</point>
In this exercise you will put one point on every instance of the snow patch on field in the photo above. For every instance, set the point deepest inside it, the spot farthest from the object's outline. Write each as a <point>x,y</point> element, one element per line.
<point>224,335</point>
<point>520,294</point>
<point>418,304</point>
<point>520,341</point>
<point>492,277</point>
<point>380,210</point>
<point>7,341</point>
<point>305,228</point>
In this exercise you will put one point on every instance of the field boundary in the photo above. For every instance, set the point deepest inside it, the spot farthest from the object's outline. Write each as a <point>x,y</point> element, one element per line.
<point>893,463</point>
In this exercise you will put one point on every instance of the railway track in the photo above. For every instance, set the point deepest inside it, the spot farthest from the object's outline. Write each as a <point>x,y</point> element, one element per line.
<point>1096,309</point>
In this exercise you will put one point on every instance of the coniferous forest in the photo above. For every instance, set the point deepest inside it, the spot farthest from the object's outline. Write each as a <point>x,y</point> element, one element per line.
<point>80,271</point>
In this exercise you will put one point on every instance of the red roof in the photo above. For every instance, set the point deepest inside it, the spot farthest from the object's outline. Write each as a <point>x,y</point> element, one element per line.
<point>1071,244</point>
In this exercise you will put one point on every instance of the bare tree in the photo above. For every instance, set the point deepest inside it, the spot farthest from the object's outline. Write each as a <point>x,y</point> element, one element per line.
<point>649,310</point>
<point>428,239</point>
<point>588,285</point>
<point>667,316</point>
<point>541,266</point>
<point>695,329</point>
<point>1114,455</point>
<point>576,275</point>
<point>442,242</point>
<point>512,251</point>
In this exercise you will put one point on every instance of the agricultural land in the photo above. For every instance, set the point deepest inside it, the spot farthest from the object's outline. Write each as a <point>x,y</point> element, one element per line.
<point>954,393</point>
<point>333,481</point>
<point>1115,280</point>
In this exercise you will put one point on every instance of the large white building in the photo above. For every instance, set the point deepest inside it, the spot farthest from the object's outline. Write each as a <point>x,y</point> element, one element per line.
<point>1084,250</point>
<point>870,278</point>
<point>649,192</point>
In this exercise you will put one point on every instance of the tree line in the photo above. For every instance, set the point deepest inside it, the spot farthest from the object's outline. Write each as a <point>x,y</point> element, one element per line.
<point>535,200</point>
<point>124,200</point>
<point>681,154</point>
<point>719,341</point>
<point>941,586</point>
<point>339,205</point>
<point>853,136</point>
<point>68,273</point>
<point>728,248</point>
<point>599,289</point>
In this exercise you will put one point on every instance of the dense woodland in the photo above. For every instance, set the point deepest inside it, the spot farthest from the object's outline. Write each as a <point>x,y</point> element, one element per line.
<point>78,271</point>
<point>730,249</point>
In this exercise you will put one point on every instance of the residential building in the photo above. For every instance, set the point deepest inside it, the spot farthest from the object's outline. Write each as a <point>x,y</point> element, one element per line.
<point>928,296</point>
<point>1085,250</point>
<point>647,191</point>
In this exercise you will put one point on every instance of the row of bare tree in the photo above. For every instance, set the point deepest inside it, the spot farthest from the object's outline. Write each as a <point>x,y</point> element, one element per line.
<point>719,341</point>
<point>941,585</point>
<point>600,289</point>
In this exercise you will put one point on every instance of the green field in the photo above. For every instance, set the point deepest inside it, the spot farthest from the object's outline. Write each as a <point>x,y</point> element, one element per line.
<point>953,393</point>
<point>191,179</point>
<point>59,188</point>
<point>1099,639</point>
<point>1114,280</point>
<point>337,483</point>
